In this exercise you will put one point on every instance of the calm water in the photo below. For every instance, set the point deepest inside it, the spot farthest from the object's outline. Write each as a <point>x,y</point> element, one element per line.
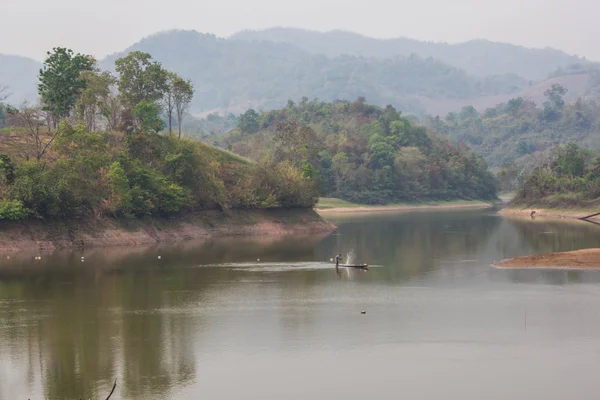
<point>209,321</point>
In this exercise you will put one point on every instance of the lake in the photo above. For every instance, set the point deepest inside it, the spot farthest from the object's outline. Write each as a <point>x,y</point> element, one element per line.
<point>209,320</point>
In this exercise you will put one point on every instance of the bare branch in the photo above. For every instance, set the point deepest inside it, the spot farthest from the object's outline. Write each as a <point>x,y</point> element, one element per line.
<point>113,390</point>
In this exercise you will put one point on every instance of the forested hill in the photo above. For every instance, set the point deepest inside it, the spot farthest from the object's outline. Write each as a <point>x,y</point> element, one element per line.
<point>363,153</point>
<point>477,57</point>
<point>233,75</point>
<point>516,133</point>
<point>97,146</point>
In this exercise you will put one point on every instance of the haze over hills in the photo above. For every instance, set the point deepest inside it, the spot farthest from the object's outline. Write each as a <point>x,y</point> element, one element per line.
<point>478,57</point>
<point>20,75</point>
<point>266,69</point>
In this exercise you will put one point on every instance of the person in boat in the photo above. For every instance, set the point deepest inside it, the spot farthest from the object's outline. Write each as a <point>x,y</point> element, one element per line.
<point>338,258</point>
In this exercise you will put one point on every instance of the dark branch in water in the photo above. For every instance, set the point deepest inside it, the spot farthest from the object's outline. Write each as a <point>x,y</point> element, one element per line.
<point>113,390</point>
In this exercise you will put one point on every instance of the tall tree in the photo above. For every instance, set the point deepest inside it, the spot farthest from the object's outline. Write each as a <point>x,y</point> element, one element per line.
<point>168,101</point>
<point>140,79</point>
<point>61,81</point>
<point>183,92</point>
<point>94,97</point>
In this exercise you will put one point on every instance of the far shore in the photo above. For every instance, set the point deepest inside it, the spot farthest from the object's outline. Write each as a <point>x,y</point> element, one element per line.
<point>357,208</point>
<point>588,259</point>
<point>549,213</point>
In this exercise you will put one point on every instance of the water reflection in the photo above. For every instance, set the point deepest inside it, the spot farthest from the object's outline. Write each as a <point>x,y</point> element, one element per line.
<point>69,327</point>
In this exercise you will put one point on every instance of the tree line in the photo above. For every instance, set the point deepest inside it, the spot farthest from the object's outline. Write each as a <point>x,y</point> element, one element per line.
<point>99,144</point>
<point>362,153</point>
<point>564,177</point>
<point>512,136</point>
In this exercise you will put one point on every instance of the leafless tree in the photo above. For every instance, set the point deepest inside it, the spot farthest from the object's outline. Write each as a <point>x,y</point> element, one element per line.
<point>38,127</point>
<point>111,109</point>
<point>168,100</point>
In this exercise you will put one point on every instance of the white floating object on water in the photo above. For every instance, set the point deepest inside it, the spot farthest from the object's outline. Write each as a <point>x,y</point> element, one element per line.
<point>159,257</point>
<point>258,259</point>
<point>331,259</point>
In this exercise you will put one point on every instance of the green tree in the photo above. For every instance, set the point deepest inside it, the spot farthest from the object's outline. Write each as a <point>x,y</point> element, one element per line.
<point>248,122</point>
<point>514,106</point>
<point>571,162</point>
<point>555,96</point>
<point>147,116</point>
<point>61,81</point>
<point>140,79</point>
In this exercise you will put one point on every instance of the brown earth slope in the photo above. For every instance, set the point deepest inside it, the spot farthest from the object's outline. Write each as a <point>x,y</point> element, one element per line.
<point>50,235</point>
<point>580,259</point>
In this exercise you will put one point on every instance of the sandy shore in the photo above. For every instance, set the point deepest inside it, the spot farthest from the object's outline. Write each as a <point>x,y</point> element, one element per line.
<point>424,207</point>
<point>544,213</point>
<point>579,259</point>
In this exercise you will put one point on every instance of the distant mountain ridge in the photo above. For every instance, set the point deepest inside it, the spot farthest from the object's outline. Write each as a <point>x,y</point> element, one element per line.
<point>478,57</point>
<point>265,69</point>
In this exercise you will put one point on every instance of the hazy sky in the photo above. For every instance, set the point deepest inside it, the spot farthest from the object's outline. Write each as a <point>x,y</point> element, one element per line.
<point>102,27</point>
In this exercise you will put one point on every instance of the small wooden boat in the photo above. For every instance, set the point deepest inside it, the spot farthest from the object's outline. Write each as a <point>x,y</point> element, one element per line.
<point>363,266</point>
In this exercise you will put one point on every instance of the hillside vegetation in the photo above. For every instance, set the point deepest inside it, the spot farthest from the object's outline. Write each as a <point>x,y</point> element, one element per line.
<point>517,133</point>
<point>567,178</point>
<point>93,147</point>
<point>363,153</point>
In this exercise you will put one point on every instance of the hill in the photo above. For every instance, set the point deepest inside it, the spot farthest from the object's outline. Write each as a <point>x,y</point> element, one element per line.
<point>263,70</point>
<point>234,75</point>
<point>363,153</point>
<point>578,86</point>
<point>519,134</point>
<point>478,57</point>
<point>19,74</point>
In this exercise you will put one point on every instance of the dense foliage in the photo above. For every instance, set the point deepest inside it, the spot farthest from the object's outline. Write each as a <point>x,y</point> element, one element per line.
<point>518,131</point>
<point>90,150</point>
<point>567,177</point>
<point>362,153</point>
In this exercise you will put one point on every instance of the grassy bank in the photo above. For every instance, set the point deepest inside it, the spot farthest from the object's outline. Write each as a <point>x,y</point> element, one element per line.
<point>102,232</point>
<point>328,204</point>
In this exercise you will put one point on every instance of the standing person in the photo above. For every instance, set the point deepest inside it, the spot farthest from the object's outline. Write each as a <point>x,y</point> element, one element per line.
<point>338,258</point>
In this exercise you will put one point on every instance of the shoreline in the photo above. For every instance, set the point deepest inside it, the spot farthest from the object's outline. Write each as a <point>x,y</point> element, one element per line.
<point>106,232</point>
<point>549,214</point>
<point>578,260</point>
<point>407,207</point>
